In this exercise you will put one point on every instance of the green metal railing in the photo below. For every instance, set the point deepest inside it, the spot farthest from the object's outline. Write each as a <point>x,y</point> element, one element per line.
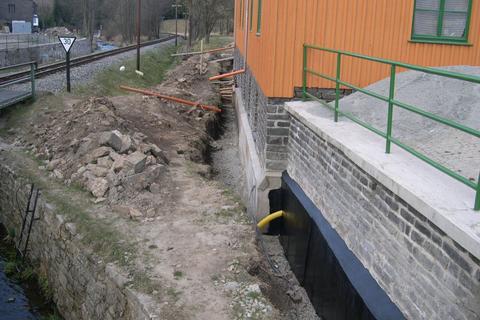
<point>392,103</point>
<point>19,96</point>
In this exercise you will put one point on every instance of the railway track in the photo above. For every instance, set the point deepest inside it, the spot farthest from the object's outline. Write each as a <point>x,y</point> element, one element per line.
<point>44,70</point>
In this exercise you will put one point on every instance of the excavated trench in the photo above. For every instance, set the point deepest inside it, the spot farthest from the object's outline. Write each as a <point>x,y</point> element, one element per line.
<point>89,286</point>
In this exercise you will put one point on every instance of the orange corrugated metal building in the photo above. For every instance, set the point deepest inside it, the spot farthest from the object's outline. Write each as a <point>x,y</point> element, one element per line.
<point>402,30</point>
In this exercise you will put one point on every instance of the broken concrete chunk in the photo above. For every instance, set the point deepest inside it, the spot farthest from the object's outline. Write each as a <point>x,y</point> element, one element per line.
<point>139,137</point>
<point>98,187</point>
<point>137,161</point>
<point>118,165</point>
<point>126,144</point>
<point>157,152</point>
<point>98,153</point>
<point>115,156</point>
<point>85,145</point>
<point>151,160</point>
<point>142,181</point>
<point>97,170</point>
<point>119,142</point>
<point>105,162</point>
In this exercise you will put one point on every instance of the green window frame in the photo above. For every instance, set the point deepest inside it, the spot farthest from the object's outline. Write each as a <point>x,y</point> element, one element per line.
<point>251,15</point>
<point>259,17</point>
<point>440,23</point>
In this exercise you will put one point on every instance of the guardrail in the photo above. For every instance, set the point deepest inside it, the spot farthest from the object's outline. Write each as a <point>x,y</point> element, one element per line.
<point>11,97</point>
<point>392,103</point>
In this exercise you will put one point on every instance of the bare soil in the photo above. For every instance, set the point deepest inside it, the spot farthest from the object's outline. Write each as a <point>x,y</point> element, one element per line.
<point>146,165</point>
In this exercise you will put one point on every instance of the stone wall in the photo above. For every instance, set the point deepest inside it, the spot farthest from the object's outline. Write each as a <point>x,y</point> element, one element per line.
<point>425,272</point>
<point>268,120</point>
<point>83,286</point>
<point>43,53</point>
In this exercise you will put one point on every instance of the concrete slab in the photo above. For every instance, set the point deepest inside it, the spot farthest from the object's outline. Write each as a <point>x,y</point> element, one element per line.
<point>444,201</point>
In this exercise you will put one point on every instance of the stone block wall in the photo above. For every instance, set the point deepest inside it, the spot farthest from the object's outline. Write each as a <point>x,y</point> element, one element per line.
<point>268,120</point>
<point>425,272</point>
<point>84,287</point>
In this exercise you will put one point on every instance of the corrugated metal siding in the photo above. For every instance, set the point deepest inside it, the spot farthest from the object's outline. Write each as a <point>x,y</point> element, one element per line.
<point>380,28</point>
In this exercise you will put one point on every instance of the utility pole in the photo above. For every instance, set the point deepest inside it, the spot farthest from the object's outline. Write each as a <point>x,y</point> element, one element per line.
<point>176,5</point>
<point>139,21</point>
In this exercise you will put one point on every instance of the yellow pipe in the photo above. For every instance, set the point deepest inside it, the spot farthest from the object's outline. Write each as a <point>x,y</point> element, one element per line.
<point>265,221</point>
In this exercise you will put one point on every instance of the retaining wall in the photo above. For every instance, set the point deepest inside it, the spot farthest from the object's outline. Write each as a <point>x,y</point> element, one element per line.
<point>426,273</point>
<point>83,286</point>
<point>43,53</point>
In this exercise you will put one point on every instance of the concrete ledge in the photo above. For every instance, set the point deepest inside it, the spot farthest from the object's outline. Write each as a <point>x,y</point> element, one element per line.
<point>258,182</point>
<point>444,201</point>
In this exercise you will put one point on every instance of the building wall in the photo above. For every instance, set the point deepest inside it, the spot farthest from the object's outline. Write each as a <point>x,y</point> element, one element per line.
<point>425,272</point>
<point>24,10</point>
<point>380,28</point>
<point>267,118</point>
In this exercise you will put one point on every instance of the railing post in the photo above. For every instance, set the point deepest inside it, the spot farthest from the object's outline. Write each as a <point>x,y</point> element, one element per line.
<point>337,85</point>
<point>390,108</point>
<point>477,198</point>
<point>304,79</point>
<point>32,79</point>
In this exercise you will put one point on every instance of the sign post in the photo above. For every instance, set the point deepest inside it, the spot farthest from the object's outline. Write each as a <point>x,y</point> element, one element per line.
<point>67,43</point>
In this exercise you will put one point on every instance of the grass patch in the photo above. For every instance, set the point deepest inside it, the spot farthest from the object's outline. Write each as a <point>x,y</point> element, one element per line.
<point>154,64</point>
<point>17,115</point>
<point>216,41</point>
<point>174,294</point>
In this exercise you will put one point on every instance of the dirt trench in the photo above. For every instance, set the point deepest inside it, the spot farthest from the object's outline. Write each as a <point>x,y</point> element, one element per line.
<point>150,170</point>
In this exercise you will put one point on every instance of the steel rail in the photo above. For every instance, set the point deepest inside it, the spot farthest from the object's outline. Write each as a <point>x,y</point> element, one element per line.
<point>60,66</point>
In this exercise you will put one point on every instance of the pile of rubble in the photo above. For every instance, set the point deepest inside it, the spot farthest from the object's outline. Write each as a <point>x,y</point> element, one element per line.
<point>84,146</point>
<point>101,145</point>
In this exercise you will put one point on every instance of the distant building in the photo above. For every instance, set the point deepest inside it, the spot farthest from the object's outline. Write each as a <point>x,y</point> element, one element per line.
<point>11,10</point>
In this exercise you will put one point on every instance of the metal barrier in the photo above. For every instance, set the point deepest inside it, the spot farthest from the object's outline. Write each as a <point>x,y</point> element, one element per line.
<point>392,102</point>
<point>10,97</point>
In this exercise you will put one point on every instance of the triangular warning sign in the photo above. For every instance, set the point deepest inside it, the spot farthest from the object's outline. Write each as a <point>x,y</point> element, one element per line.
<point>67,42</point>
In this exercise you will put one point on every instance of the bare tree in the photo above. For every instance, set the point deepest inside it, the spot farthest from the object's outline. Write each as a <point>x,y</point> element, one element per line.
<point>206,15</point>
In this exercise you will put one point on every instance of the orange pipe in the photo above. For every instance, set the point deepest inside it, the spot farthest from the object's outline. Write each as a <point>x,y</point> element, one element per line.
<point>175,99</point>
<point>226,75</point>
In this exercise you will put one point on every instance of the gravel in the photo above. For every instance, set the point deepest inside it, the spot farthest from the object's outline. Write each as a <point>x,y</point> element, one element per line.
<point>85,73</point>
<point>449,98</point>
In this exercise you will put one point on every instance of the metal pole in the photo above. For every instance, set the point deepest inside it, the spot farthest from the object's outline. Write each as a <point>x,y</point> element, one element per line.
<point>139,20</point>
<point>477,198</point>
<point>32,78</point>
<point>176,23</point>
<point>304,80</point>
<point>337,87</point>
<point>68,72</point>
<point>390,108</point>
